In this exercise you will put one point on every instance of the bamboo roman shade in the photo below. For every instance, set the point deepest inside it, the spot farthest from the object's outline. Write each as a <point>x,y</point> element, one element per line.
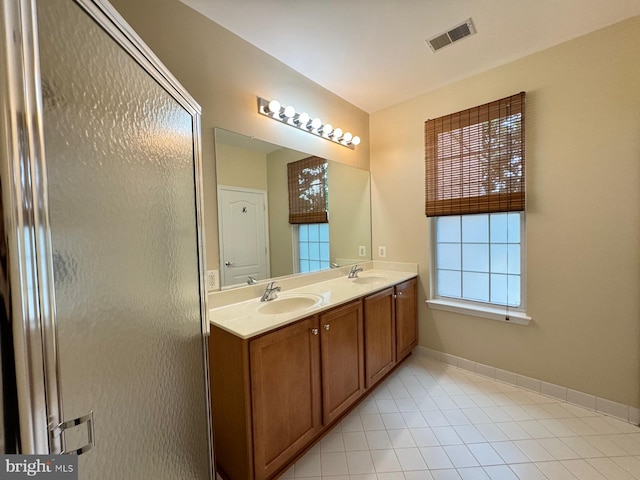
<point>475,160</point>
<point>308,190</point>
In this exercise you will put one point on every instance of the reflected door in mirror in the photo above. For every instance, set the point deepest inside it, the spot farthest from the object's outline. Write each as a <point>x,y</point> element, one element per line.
<point>243,234</point>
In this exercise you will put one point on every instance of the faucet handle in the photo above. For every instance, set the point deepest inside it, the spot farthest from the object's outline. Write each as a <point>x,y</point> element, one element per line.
<point>353,273</point>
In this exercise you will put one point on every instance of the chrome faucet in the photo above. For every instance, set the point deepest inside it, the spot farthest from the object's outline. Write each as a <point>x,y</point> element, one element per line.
<point>270,292</point>
<point>353,273</point>
<point>251,280</point>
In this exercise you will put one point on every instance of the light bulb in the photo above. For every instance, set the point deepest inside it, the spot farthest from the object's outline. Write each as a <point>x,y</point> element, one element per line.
<point>327,128</point>
<point>356,140</point>
<point>303,119</point>
<point>316,123</point>
<point>337,133</point>
<point>347,137</point>
<point>289,111</point>
<point>274,106</point>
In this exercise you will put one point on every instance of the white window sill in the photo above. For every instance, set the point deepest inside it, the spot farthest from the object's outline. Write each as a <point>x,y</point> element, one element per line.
<point>492,313</point>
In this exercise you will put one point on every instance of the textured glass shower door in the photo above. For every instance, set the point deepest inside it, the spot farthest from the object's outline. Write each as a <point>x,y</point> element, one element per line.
<point>121,177</point>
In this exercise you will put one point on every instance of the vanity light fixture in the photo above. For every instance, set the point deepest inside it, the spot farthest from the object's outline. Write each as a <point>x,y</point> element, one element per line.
<point>274,110</point>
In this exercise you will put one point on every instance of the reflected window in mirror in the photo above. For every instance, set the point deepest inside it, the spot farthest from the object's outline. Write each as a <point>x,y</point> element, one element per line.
<point>308,191</point>
<point>313,247</point>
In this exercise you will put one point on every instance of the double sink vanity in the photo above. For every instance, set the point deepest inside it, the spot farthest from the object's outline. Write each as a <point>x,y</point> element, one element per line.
<point>285,370</point>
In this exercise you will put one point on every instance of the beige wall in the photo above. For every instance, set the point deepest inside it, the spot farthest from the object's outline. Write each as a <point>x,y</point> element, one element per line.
<point>349,213</point>
<point>225,75</point>
<point>239,167</point>
<point>280,230</point>
<point>583,213</point>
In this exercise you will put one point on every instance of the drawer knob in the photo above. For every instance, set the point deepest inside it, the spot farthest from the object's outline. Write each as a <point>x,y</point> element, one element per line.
<point>327,326</point>
<point>314,331</point>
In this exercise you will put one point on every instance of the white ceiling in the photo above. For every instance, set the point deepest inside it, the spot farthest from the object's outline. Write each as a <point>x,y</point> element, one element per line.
<point>373,53</point>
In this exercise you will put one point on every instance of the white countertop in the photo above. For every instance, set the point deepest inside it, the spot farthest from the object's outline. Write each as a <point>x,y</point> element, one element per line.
<point>244,319</point>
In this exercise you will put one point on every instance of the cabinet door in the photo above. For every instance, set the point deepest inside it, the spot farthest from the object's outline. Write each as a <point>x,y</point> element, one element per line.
<point>379,335</point>
<point>285,394</point>
<point>342,346</point>
<point>406,317</point>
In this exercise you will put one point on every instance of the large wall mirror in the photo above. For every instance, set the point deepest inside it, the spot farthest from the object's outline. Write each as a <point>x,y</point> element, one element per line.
<point>256,238</point>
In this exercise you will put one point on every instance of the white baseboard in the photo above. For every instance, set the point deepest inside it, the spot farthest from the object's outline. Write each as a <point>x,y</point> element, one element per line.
<point>574,397</point>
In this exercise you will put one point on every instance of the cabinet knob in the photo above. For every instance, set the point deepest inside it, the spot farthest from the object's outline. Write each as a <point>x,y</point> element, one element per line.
<point>399,293</point>
<point>327,326</point>
<point>395,296</point>
<point>314,331</point>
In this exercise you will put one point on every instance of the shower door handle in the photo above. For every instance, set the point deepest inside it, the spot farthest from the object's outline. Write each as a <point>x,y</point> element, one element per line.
<point>61,428</point>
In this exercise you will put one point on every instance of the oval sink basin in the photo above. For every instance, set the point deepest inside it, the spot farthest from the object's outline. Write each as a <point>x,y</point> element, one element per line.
<point>369,280</point>
<point>288,304</point>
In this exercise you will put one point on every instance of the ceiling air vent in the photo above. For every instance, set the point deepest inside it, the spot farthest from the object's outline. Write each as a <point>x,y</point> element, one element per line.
<point>456,33</point>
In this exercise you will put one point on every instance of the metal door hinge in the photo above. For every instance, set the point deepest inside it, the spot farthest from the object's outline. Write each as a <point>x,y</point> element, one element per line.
<point>70,429</point>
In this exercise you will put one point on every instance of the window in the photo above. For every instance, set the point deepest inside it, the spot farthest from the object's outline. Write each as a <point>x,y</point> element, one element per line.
<point>479,258</point>
<point>308,194</point>
<point>475,192</point>
<point>313,247</point>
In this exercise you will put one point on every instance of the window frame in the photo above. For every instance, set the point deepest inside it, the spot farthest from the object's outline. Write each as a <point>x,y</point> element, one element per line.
<point>494,311</point>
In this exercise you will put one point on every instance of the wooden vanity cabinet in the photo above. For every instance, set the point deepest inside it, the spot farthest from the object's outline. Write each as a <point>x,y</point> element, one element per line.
<point>275,394</point>
<point>266,398</point>
<point>391,328</point>
<point>342,359</point>
<point>406,313</point>
<point>379,335</point>
<point>285,394</point>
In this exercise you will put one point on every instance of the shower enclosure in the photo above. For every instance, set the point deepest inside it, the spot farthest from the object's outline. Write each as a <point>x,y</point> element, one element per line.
<point>103,324</point>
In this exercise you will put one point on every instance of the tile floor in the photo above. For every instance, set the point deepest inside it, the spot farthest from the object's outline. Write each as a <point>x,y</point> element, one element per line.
<point>431,421</point>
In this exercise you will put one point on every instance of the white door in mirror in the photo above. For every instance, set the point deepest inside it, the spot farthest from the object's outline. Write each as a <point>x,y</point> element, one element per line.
<point>243,234</point>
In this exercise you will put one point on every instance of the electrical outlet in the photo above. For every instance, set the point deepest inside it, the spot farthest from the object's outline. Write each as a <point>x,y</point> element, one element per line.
<point>362,250</point>
<point>212,280</point>
<point>382,251</point>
